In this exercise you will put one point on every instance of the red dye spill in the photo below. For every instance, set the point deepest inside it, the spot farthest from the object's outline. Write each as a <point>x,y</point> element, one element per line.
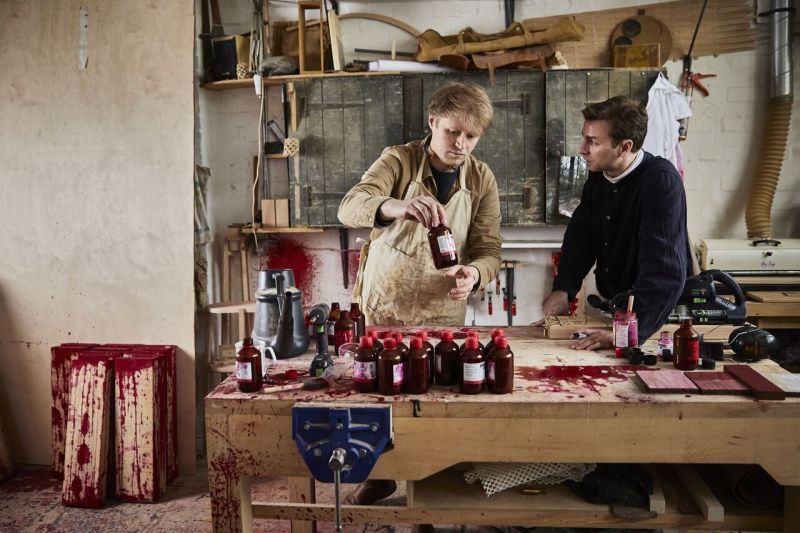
<point>76,487</point>
<point>85,424</point>
<point>84,455</point>
<point>555,377</point>
<point>291,374</point>
<point>288,253</point>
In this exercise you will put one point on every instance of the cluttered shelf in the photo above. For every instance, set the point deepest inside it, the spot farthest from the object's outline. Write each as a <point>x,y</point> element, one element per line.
<point>247,83</point>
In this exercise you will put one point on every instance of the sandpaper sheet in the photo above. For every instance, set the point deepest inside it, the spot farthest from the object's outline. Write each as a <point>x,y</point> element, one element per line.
<point>717,383</point>
<point>673,381</point>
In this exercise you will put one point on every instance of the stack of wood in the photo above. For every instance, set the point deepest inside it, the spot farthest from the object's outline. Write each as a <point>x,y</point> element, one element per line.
<point>114,421</point>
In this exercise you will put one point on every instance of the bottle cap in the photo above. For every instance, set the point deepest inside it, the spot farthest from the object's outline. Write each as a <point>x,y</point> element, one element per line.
<point>366,342</point>
<point>472,342</point>
<point>447,336</point>
<point>389,344</point>
<point>398,337</point>
<point>422,334</point>
<point>500,341</point>
<point>416,343</point>
<point>496,332</point>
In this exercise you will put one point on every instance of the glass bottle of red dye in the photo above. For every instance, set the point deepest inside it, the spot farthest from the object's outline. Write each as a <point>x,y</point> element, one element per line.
<point>333,316</point>
<point>358,317</point>
<point>344,331</point>
<point>686,343</point>
<point>376,343</point>
<point>447,358</point>
<point>443,247</point>
<point>500,367</point>
<point>423,334</point>
<point>489,345</point>
<point>390,369</point>
<point>365,366</point>
<point>249,376</point>
<point>418,379</point>
<point>473,367</point>
<point>402,348</point>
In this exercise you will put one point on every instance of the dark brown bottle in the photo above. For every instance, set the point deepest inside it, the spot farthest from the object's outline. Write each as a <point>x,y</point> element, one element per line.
<point>344,331</point>
<point>418,380</point>
<point>376,343</point>
<point>358,317</point>
<point>447,360</point>
<point>365,366</point>
<point>390,369</point>
<point>500,367</point>
<point>249,375</point>
<point>423,334</point>
<point>402,348</point>
<point>473,367</point>
<point>686,343</point>
<point>490,344</point>
<point>443,247</point>
<point>333,316</point>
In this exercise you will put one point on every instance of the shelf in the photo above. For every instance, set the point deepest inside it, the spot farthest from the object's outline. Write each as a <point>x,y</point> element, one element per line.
<point>263,230</point>
<point>247,83</point>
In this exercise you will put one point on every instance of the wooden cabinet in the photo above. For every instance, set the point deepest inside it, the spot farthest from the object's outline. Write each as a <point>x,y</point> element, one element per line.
<point>344,123</point>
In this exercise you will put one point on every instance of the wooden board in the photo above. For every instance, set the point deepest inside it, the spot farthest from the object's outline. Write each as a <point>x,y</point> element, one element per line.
<point>775,296</point>
<point>708,503</point>
<point>717,383</point>
<point>667,381</point>
<point>790,383</point>
<point>762,388</point>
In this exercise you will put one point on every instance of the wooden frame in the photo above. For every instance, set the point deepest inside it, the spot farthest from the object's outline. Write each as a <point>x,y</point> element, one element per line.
<point>302,7</point>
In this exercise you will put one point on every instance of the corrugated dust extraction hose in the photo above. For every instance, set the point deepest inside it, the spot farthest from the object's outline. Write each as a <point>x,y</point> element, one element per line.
<point>773,148</point>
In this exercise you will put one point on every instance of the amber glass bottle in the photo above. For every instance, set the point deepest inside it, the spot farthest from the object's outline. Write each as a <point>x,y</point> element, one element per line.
<point>473,367</point>
<point>423,334</point>
<point>447,360</point>
<point>358,317</point>
<point>402,348</point>
<point>443,247</point>
<point>333,316</point>
<point>686,343</point>
<point>390,369</point>
<point>418,380</point>
<point>376,343</point>
<point>500,367</point>
<point>365,371</point>
<point>490,344</point>
<point>344,331</point>
<point>249,376</point>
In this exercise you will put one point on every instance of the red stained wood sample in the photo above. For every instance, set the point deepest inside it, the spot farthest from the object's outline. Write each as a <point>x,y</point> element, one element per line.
<point>141,443</point>
<point>717,383</point>
<point>87,432</point>
<point>763,389</point>
<point>60,364</point>
<point>672,381</point>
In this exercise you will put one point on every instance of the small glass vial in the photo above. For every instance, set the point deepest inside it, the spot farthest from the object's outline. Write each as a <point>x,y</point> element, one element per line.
<point>390,369</point>
<point>344,331</point>
<point>443,247</point>
<point>473,367</point>
<point>419,368</point>
<point>249,376</point>
<point>358,317</point>
<point>365,366</point>
<point>626,331</point>
<point>447,358</point>
<point>664,343</point>
<point>686,343</point>
<point>500,367</point>
<point>333,316</point>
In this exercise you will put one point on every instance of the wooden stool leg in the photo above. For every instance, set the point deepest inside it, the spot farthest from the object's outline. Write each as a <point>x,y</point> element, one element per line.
<point>226,291</point>
<point>245,274</point>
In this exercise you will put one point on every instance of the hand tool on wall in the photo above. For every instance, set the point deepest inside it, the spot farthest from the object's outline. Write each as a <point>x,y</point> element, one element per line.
<point>344,239</point>
<point>491,308</point>
<point>687,75</point>
<point>509,290</point>
<point>497,284</point>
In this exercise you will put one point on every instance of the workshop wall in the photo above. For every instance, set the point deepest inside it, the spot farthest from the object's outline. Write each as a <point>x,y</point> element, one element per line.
<point>97,188</point>
<point>721,151</point>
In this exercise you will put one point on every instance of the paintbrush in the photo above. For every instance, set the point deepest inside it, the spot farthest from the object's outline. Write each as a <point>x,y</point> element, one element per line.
<point>630,303</point>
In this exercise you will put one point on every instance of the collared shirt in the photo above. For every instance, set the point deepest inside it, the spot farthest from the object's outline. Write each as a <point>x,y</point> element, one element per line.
<point>389,177</point>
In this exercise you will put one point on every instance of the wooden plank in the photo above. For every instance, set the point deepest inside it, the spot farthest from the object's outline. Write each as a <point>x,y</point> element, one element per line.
<point>298,167</point>
<point>535,148</point>
<point>596,86</point>
<point>515,131</point>
<point>354,98</point>
<point>708,503</point>
<point>717,383</point>
<point>503,139</point>
<point>774,296</point>
<point>374,122</point>
<point>140,388</point>
<point>88,433</point>
<point>640,84</point>
<point>302,490</point>
<point>762,388</point>
<point>575,102</point>
<point>667,381</point>
<point>414,114</point>
<point>657,503</point>
<point>619,83</point>
<point>333,132</point>
<point>314,153</point>
<point>393,110</point>
<point>789,383</point>
<point>555,127</point>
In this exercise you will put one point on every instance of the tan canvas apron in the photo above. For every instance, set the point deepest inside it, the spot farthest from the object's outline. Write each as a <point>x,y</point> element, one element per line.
<point>397,282</point>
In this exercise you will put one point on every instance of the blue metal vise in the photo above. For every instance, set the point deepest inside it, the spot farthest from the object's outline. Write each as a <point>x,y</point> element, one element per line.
<point>362,432</point>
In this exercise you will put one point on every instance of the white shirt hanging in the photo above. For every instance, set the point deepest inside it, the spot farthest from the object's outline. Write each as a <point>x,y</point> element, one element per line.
<point>666,105</point>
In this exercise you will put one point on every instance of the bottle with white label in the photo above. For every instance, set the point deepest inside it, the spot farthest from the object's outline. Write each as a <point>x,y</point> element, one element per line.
<point>365,371</point>
<point>249,376</point>
<point>390,369</point>
<point>443,247</point>
<point>473,367</point>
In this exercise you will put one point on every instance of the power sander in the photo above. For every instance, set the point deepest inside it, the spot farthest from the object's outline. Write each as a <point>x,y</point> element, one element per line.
<point>701,302</point>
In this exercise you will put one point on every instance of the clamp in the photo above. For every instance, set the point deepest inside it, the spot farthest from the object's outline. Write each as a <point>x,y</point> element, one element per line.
<point>690,80</point>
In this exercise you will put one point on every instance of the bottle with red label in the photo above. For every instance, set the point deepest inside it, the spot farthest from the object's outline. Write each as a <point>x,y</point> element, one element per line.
<point>500,367</point>
<point>443,247</point>
<point>390,369</point>
<point>418,379</point>
<point>447,358</point>
<point>473,367</point>
<point>333,316</point>
<point>344,331</point>
<point>249,376</point>
<point>365,366</point>
<point>358,317</point>
<point>423,334</point>
<point>686,343</point>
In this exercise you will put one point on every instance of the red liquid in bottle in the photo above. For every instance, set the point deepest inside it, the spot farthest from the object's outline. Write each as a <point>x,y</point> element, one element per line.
<point>423,334</point>
<point>365,366</point>
<point>390,369</point>
<point>686,343</point>
<point>500,368</point>
<point>443,247</point>
<point>448,359</point>
<point>419,368</point>
<point>473,367</point>
<point>344,331</point>
<point>249,375</point>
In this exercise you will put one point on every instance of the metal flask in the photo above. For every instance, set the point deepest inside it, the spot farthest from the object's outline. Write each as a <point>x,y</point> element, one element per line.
<point>279,319</point>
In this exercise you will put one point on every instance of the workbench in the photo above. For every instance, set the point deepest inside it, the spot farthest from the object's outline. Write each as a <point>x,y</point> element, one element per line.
<point>598,415</point>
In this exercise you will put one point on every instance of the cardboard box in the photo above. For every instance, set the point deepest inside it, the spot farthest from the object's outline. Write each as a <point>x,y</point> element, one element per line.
<point>275,213</point>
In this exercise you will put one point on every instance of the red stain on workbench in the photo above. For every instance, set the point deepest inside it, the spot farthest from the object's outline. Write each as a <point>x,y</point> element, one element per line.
<point>561,378</point>
<point>288,253</point>
<point>84,455</point>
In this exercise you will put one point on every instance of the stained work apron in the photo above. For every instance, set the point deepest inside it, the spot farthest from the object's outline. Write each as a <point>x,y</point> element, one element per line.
<point>397,282</point>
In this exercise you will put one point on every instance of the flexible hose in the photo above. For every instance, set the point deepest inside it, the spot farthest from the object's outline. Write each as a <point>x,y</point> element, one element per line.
<point>773,148</point>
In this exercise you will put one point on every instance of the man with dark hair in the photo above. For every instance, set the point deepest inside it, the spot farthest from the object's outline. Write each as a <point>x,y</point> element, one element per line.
<point>631,222</point>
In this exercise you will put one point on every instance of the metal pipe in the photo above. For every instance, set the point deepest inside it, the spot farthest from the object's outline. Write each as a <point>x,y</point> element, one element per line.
<point>780,39</point>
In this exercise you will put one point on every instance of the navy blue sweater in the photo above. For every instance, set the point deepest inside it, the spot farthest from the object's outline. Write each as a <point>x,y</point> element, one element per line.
<point>635,230</point>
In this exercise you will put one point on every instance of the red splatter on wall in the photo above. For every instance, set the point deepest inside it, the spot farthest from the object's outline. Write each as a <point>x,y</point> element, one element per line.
<point>288,253</point>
